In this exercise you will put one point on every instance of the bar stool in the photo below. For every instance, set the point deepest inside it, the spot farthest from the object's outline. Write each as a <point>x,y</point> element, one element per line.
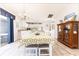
<point>44,50</point>
<point>31,50</point>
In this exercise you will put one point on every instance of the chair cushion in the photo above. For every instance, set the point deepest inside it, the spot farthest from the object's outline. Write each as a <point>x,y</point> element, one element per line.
<point>33,45</point>
<point>38,45</point>
<point>43,45</point>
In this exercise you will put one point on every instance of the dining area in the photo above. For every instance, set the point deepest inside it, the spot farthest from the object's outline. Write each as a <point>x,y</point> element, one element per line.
<point>37,44</point>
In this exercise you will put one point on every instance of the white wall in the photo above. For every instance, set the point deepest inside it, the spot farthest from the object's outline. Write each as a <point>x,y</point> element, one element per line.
<point>70,8</point>
<point>16,27</point>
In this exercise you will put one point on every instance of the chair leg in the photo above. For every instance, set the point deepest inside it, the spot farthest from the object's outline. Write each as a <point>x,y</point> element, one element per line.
<point>31,51</point>
<point>50,49</point>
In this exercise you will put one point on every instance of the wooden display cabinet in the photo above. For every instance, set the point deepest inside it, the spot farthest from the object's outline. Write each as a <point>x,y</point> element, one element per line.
<point>69,33</point>
<point>60,32</point>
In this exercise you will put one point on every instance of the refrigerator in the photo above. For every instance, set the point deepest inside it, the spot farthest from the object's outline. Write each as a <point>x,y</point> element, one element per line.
<point>6,28</point>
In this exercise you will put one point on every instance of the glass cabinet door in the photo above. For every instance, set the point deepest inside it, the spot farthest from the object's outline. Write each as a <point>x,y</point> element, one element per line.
<point>59,28</point>
<point>67,32</point>
<point>4,30</point>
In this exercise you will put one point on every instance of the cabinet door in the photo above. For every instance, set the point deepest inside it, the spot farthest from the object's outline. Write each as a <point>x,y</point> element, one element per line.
<point>60,32</point>
<point>3,30</point>
<point>75,35</point>
<point>67,31</point>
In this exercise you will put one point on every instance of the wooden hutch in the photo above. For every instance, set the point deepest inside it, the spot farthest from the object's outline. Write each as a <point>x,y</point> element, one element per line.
<point>68,33</point>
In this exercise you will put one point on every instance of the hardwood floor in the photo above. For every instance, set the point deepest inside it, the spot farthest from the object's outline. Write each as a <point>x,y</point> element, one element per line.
<point>62,50</point>
<point>58,50</point>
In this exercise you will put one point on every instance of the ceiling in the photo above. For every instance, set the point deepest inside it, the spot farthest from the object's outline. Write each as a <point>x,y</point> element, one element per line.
<point>36,12</point>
